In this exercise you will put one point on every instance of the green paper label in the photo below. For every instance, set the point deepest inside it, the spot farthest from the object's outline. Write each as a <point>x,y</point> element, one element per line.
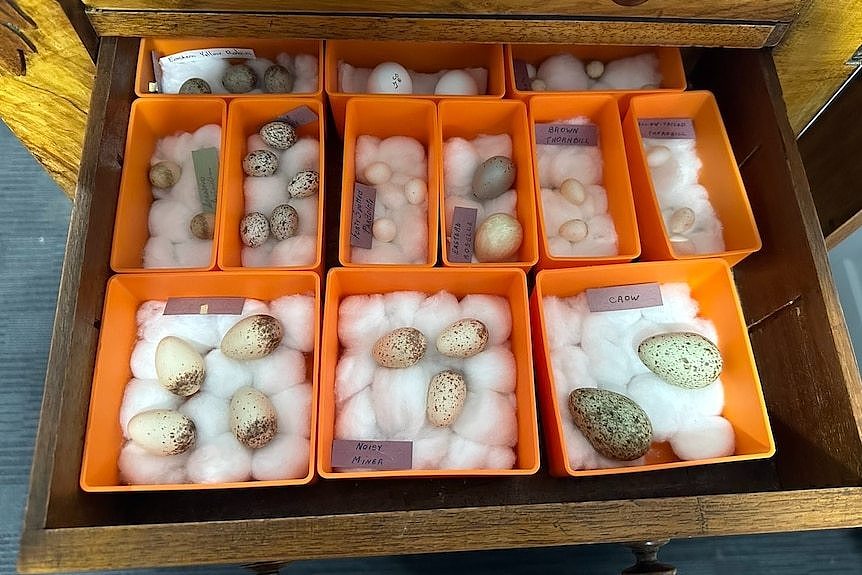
<point>206,173</point>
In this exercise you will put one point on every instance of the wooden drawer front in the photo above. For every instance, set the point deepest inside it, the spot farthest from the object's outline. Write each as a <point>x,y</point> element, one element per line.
<point>800,343</point>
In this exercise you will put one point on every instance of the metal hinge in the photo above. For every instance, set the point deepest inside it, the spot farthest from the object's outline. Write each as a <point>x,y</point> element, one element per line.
<point>856,58</point>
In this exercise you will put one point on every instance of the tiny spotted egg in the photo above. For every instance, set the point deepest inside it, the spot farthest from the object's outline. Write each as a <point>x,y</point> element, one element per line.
<point>195,86</point>
<point>260,163</point>
<point>447,392</point>
<point>304,184</point>
<point>277,80</point>
<point>401,347</point>
<point>239,79</point>
<point>284,222</point>
<point>279,135</point>
<point>253,229</point>
<point>464,338</point>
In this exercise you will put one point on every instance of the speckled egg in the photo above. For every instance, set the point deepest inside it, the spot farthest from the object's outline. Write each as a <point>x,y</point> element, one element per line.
<point>254,337</point>
<point>239,79</point>
<point>681,221</point>
<point>614,425</point>
<point>279,135</point>
<point>400,347</point>
<point>165,174</point>
<point>493,177</point>
<point>179,367</point>
<point>284,222</point>
<point>260,163</point>
<point>195,86</point>
<point>162,431</point>
<point>498,238</point>
<point>202,225</point>
<point>253,419</point>
<point>277,80</point>
<point>446,394</point>
<point>253,229</point>
<point>304,184</point>
<point>684,359</point>
<point>464,338</point>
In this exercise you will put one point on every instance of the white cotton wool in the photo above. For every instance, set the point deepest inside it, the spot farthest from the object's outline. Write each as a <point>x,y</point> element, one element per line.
<point>487,418</point>
<point>306,67</point>
<point>194,253</point>
<point>492,370</point>
<point>488,146</point>
<point>293,407</point>
<point>143,395</point>
<point>211,70</point>
<point>661,403</point>
<point>404,155</point>
<point>295,251</point>
<point>563,72</point>
<point>401,307</point>
<point>304,155</point>
<point>159,253</point>
<point>224,375</point>
<point>220,460</point>
<point>196,330</point>
<point>170,219</point>
<point>633,73</point>
<point>148,311</point>
<point>258,257</point>
<point>399,398</point>
<point>210,413</point>
<point>391,195</point>
<point>139,467</point>
<point>284,457</point>
<point>430,446</point>
<point>704,438</point>
<point>460,161</point>
<point>283,368</point>
<point>677,304</point>
<point>584,163</point>
<point>356,419</point>
<point>307,211</point>
<point>436,312</point>
<point>468,202</point>
<point>493,311</point>
<point>143,360</point>
<point>464,454</point>
<point>501,458</point>
<point>250,306</point>
<point>297,316</point>
<point>354,372</point>
<point>365,153</point>
<point>255,142</point>
<point>361,321</point>
<point>264,194</point>
<point>571,369</point>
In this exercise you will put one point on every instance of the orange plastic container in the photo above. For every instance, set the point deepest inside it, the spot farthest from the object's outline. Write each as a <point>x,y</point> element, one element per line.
<point>602,111</point>
<point>427,57</point>
<point>263,48</point>
<point>468,119</point>
<point>245,118</point>
<point>670,66</point>
<point>151,120</point>
<point>386,117</point>
<point>719,175</point>
<point>104,438</point>
<point>508,283</point>
<point>712,286</point>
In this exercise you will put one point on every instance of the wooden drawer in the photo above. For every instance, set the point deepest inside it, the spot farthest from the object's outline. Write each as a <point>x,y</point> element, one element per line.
<point>800,342</point>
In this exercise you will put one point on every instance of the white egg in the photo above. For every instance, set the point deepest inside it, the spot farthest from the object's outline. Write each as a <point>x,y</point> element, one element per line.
<point>378,173</point>
<point>384,230</point>
<point>416,190</point>
<point>389,78</point>
<point>456,83</point>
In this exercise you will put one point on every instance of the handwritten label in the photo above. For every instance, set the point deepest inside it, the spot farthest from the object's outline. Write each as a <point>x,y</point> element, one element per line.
<point>204,306</point>
<point>156,85</point>
<point>522,76</point>
<point>379,455</point>
<point>634,296</point>
<point>567,134</point>
<point>299,116</point>
<point>667,128</point>
<point>206,174</point>
<point>195,55</point>
<point>463,232</point>
<point>362,219</point>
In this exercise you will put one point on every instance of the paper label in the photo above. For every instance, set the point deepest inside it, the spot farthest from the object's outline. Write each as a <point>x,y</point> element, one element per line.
<point>299,116</point>
<point>567,134</point>
<point>379,455</point>
<point>614,298</point>
<point>522,76</point>
<point>362,219</point>
<point>667,128</point>
<point>157,73</point>
<point>463,232</point>
<point>195,55</point>
<point>204,306</point>
<point>206,173</point>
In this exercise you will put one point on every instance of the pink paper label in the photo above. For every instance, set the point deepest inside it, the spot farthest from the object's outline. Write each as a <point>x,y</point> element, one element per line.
<point>378,455</point>
<point>567,134</point>
<point>667,128</point>
<point>204,305</point>
<point>463,232</point>
<point>362,220</point>
<point>615,298</point>
<point>522,77</point>
<point>299,116</point>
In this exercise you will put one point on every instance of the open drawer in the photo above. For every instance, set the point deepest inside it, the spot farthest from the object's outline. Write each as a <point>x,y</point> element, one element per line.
<point>800,343</point>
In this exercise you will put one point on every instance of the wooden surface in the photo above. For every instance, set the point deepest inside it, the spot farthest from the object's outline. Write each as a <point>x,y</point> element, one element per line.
<point>45,101</point>
<point>811,58</point>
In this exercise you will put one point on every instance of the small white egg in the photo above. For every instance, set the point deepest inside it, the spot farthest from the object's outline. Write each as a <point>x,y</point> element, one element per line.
<point>538,85</point>
<point>574,231</point>
<point>384,230</point>
<point>378,173</point>
<point>595,69</point>
<point>389,78</point>
<point>657,155</point>
<point>456,83</point>
<point>573,190</point>
<point>416,191</point>
<point>681,220</point>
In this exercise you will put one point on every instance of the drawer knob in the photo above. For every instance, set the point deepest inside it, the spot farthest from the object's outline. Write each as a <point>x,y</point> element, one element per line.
<point>646,553</point>
<point>629,2</point>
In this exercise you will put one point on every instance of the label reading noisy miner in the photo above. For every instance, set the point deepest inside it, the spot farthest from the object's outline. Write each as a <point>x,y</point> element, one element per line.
<point>362,218</point>
<point>206,173</point>
<point>667,128</point>
<point>299,116</point>
<point>463,235</point>
<point>155,86</point>
<point>522,76</point>
<point>615,298</point>
<point>195,55</point>
<point>204,306</point>
<point>567,134</point>
<point>378,455</point>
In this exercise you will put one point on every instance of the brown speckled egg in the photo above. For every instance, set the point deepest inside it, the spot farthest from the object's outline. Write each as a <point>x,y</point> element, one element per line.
<point>162,431</point>
<point>400,347</point>
<point>260,163</point>
<point>277,80</point>
<point>195,86</point>
<point>252,338</point>
<point>446,394</point>
<point>239,79</point>
<point>493,177</point>
<point>202,225</point>
<point>279,135</point>
<point>304,184</point>
<point>165,174</point>
<point>614,425</point>
<point>253,229</point>
<point>179,367</point>
<point>284,222</point>
<point>253,419</point>
<point>464,338</point>
<point>683,359</point>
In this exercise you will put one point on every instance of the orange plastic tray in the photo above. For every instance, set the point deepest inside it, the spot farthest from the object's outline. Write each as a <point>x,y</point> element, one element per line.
<point>719,175</point>
<point>151,120</point>
<point>245,117</point>
<point>428,57</point>
<point>712,286</point>
<point>509,283</point>
<point>602,111</point>
<point>468,119</point>
<point>104,438</point>
<point>262,48</point>
<point>386,117</point>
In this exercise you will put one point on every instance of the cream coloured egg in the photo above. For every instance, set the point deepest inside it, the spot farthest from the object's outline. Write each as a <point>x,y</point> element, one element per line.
<point>595,69</point>
<point>384,230</point>
<point>162,431</point>
<point>447,392</point>
<point>416,191</point>
<point>377,173</point>
<point>400,347</point>
<point>498,238</point>
<point>252,338</point>
<point>456,83</point>
<point>179,367</point>
<point>389,78</point>
<point>464,338</point>
<point>573,190</point>
<point>574,231</point>
<point>253,419</point>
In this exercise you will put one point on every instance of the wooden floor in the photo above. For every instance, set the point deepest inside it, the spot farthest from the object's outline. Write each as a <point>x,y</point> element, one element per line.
<point>33,220</point>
